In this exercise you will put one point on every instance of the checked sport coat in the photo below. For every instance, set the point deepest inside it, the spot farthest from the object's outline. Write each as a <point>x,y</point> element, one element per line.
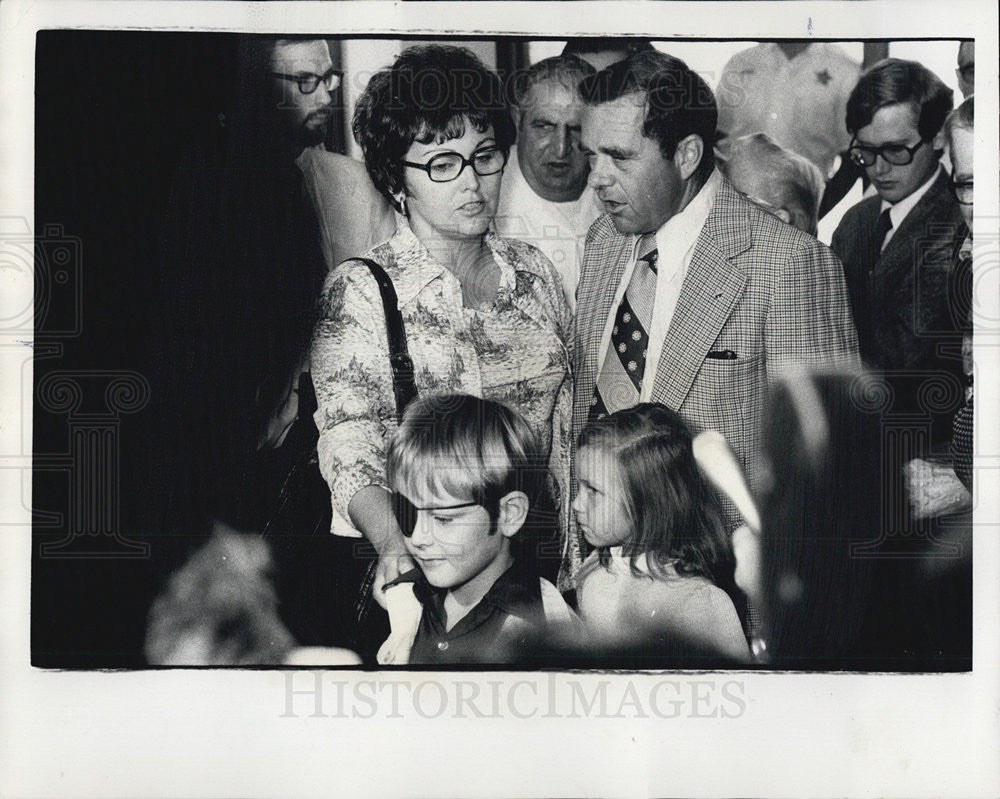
<point>762,289</point>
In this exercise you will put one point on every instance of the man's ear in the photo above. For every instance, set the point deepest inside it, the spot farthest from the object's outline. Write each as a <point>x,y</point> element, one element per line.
<point>940,143</point>
<point>513,511</point>
<point>688,155</point>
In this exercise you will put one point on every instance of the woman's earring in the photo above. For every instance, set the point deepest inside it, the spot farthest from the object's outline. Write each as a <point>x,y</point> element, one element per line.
<point>401,200</point>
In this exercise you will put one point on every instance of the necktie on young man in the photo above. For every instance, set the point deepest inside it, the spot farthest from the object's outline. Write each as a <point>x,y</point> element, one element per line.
<point>882,229</point>
<point>620,381</point>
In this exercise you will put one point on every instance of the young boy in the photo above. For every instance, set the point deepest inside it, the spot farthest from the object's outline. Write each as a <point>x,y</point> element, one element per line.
<point>465,472</point>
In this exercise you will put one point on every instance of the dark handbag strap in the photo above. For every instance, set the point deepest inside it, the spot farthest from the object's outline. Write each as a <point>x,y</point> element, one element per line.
<point>403,386</point>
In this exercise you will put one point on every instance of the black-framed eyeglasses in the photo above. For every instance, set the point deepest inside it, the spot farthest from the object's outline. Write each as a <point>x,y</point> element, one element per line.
<point>962,191</point>
<point>406,512</point>
<point>895,154</point>
<point>444,167</point>
<point>309,81</point>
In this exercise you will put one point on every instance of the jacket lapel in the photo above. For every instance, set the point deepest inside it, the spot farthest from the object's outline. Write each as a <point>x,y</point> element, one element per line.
<point>596,305</point>
<point>896,261</point>
<point>711,290</point>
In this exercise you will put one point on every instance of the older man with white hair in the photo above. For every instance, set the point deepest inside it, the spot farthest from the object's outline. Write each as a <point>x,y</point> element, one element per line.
<point>782,182</point>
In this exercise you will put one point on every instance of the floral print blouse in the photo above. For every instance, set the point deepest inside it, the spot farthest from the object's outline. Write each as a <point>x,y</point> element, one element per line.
<point>514,351</point>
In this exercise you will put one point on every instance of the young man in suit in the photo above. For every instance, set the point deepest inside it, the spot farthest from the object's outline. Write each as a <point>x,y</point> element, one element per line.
<point>898,246</point>
<point>690,295</point>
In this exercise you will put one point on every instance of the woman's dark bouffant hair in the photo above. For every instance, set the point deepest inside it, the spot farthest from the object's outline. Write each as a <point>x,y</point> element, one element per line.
<point>425,96</point>
<point>674,512</point>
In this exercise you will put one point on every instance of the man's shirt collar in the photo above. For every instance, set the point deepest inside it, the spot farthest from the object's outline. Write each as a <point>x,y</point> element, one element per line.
<point>681,231</point>
<point>899,210</point>
<point>510,594</point>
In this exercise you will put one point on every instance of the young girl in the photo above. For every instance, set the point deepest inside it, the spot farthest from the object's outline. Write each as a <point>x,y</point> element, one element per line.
<point>662,570</point>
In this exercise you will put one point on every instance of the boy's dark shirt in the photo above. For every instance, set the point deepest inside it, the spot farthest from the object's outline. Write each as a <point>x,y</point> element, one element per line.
<point>479,637</point>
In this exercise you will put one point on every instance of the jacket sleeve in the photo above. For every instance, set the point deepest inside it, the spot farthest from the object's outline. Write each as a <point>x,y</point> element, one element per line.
<point>353,381</point>
<point>809,323</point>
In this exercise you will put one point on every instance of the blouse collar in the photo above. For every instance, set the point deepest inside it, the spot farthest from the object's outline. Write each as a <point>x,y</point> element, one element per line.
<point>412,266</point>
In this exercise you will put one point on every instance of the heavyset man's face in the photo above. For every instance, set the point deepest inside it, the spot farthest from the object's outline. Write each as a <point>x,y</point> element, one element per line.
<point>548,141</point>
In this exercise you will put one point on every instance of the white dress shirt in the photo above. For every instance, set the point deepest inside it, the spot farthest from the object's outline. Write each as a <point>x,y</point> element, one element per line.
<point>799,102</point>
<point>898,212</point>
<point>559,230</point>
<point>675,242</point>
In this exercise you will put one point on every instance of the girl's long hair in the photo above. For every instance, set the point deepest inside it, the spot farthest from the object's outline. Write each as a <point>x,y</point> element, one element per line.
<point>675,514</point>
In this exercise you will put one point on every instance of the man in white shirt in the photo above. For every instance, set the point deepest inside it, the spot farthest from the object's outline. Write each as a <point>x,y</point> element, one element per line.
<point>544,199</point>
<point>899,246</point>
<point>690,295</point>
<point>795,92</point>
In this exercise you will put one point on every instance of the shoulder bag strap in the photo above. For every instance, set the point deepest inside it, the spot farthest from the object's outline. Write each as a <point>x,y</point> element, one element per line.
<point>403,385</point>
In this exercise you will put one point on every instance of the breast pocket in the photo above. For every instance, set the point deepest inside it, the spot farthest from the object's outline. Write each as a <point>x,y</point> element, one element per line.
<point>727,395</point>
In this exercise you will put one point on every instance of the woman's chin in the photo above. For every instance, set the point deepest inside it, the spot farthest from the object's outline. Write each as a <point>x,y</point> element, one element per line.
<point>475,227</point>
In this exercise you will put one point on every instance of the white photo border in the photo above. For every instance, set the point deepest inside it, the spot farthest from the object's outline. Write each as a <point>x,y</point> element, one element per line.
<point>257,733</point>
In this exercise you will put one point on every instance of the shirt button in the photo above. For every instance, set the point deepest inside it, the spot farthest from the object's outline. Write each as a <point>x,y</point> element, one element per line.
<point>774,115</point>
<point>442,645</point>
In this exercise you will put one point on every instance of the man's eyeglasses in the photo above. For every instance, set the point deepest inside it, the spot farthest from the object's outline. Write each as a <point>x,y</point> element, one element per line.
<point>406,512</point>
<point>962,191</point>
<point>308,81</point>
<point>895,154</point>
<point>444,167</point>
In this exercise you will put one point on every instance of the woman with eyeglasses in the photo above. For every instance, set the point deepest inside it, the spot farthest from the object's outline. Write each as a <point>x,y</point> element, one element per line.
<point>482,314</point>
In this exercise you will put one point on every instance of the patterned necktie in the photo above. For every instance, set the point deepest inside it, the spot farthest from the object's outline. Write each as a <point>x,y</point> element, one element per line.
<point>620,381</point>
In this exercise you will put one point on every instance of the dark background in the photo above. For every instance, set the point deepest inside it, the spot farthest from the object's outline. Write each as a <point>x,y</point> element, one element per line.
<point>115,114</point>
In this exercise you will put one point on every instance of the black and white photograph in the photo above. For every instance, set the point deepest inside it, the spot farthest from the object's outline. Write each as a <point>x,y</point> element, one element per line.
<point>500,374</point>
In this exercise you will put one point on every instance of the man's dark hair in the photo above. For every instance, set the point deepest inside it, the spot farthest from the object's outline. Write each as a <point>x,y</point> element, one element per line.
<point>425,96</point>
<point>569,70</point>
<point>599,44</point>
<point>892,81</point>
<point>678,101</point>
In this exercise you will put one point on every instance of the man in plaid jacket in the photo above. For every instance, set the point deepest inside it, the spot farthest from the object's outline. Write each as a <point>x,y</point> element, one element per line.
<point>698,297</point>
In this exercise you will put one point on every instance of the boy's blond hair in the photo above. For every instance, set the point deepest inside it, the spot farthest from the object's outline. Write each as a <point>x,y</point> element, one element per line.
<point>465,447</point>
